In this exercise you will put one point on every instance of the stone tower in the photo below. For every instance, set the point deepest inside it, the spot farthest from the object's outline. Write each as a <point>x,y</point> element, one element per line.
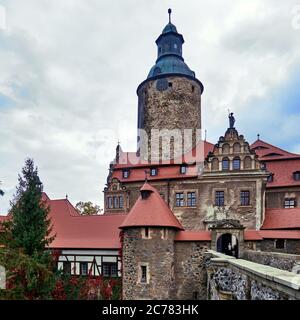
<point>169,102</point>
<point>148,234</point>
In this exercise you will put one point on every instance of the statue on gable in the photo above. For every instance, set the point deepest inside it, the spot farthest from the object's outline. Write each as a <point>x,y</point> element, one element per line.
<point>231,120</point>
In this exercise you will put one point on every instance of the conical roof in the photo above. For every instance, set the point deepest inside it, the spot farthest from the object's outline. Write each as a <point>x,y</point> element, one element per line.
<point>150,211</point>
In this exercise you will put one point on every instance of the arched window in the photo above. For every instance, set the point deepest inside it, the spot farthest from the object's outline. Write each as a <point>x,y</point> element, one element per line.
<point>236,163</point>
<point>225,164</point>
<point>215,164</point>
<point>225,148</point>
<point>236,148</point>
<point>247,162</point>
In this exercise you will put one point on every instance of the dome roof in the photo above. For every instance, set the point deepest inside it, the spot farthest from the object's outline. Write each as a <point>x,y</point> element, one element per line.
<point>170,64</point>
<point>169,28</point>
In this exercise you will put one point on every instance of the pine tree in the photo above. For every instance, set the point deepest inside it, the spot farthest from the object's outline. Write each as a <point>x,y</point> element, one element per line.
<point>31,226</point>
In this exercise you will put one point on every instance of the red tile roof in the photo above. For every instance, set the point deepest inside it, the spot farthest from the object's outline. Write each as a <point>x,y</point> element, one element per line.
<point>167,170</point>
<point>267,151</point>
<point>193,236</point>
<point>280,234</point>
<point>252,235</point>
<point>151,211</point>
<point>76,231</point>
<point>282,219</point>
<point>282,171</point>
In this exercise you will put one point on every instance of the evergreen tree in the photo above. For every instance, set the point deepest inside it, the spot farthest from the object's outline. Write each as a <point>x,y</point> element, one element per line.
<point>31,226</point>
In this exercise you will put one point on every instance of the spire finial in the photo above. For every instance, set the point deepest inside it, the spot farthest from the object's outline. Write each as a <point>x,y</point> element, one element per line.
<point>169,12</point>
<point>258,136</point>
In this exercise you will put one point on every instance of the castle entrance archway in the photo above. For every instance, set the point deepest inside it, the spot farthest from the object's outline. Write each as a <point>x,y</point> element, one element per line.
<point>227,243</point>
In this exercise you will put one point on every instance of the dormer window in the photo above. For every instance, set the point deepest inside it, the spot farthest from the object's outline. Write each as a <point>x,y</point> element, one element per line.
<point>153,172</point>
<point>183,169</point>
<point>270,177</point>
<point>126,173</point>
<point>296,176</point>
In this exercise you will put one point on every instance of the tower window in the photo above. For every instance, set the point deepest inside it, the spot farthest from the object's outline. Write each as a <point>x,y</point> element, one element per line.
<point>296,176</point>
<point>280,243</point>
<point>195,295</point>
<point>225,164</point>
<point>146,232</point>
<point>180,199</point>
<point>126,173</point>
<point>193,88</point>
<point>191,199</point>
<point>183,169</point>
<point>170,85</point>
<point>153,172</point>
<point>143,274</point>
<point>83,268</point>
<point>245,198</point>
<point>219,198</point>
<point>270,177</point>
<point>290,203</point>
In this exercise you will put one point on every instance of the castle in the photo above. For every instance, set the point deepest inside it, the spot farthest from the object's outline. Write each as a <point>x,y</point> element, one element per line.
<point>167,207</point>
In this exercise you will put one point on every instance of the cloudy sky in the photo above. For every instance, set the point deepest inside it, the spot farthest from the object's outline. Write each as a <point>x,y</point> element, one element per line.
<point>69,70</point>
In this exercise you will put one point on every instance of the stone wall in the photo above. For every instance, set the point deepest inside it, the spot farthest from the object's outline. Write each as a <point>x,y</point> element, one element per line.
<point>238,279</point>
<point>170,103</point>
<point>157,253</point>
<point>289,262</point>
<point>291,246</point>
<point>190,273</point>
<point>194,218</point>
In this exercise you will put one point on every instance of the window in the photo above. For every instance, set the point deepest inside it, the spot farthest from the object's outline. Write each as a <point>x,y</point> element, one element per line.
<point>280,243</point>
<point>225,148</point>
<point>236,148</point>
<point>146,232</point>
<point>126,173</point>
<point>290,203</point>
<point>116,202</point>
<point>225,164</point>
<point>110,202</point>
<point>245,198</point>
<point>183,169</point>
<point>296,175</point>
<point>215,164</point>
<point>83,268</point>
<point>67,267</point>
<point>180,199</point>
<point>170,84</point>
<point>247,162</point>
<point>121,203</point>
<point>236,164</point>
<point>195,295</point>
<point>153,172</point>
<point>109,269</point>
<point>191,199</point>
<point>270,177</point>
<point>143,274</point>
<point>219,198</point>
<point>165,233</point>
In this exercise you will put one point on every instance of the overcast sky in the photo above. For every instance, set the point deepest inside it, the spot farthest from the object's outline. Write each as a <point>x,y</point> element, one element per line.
<point>69,70</point>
